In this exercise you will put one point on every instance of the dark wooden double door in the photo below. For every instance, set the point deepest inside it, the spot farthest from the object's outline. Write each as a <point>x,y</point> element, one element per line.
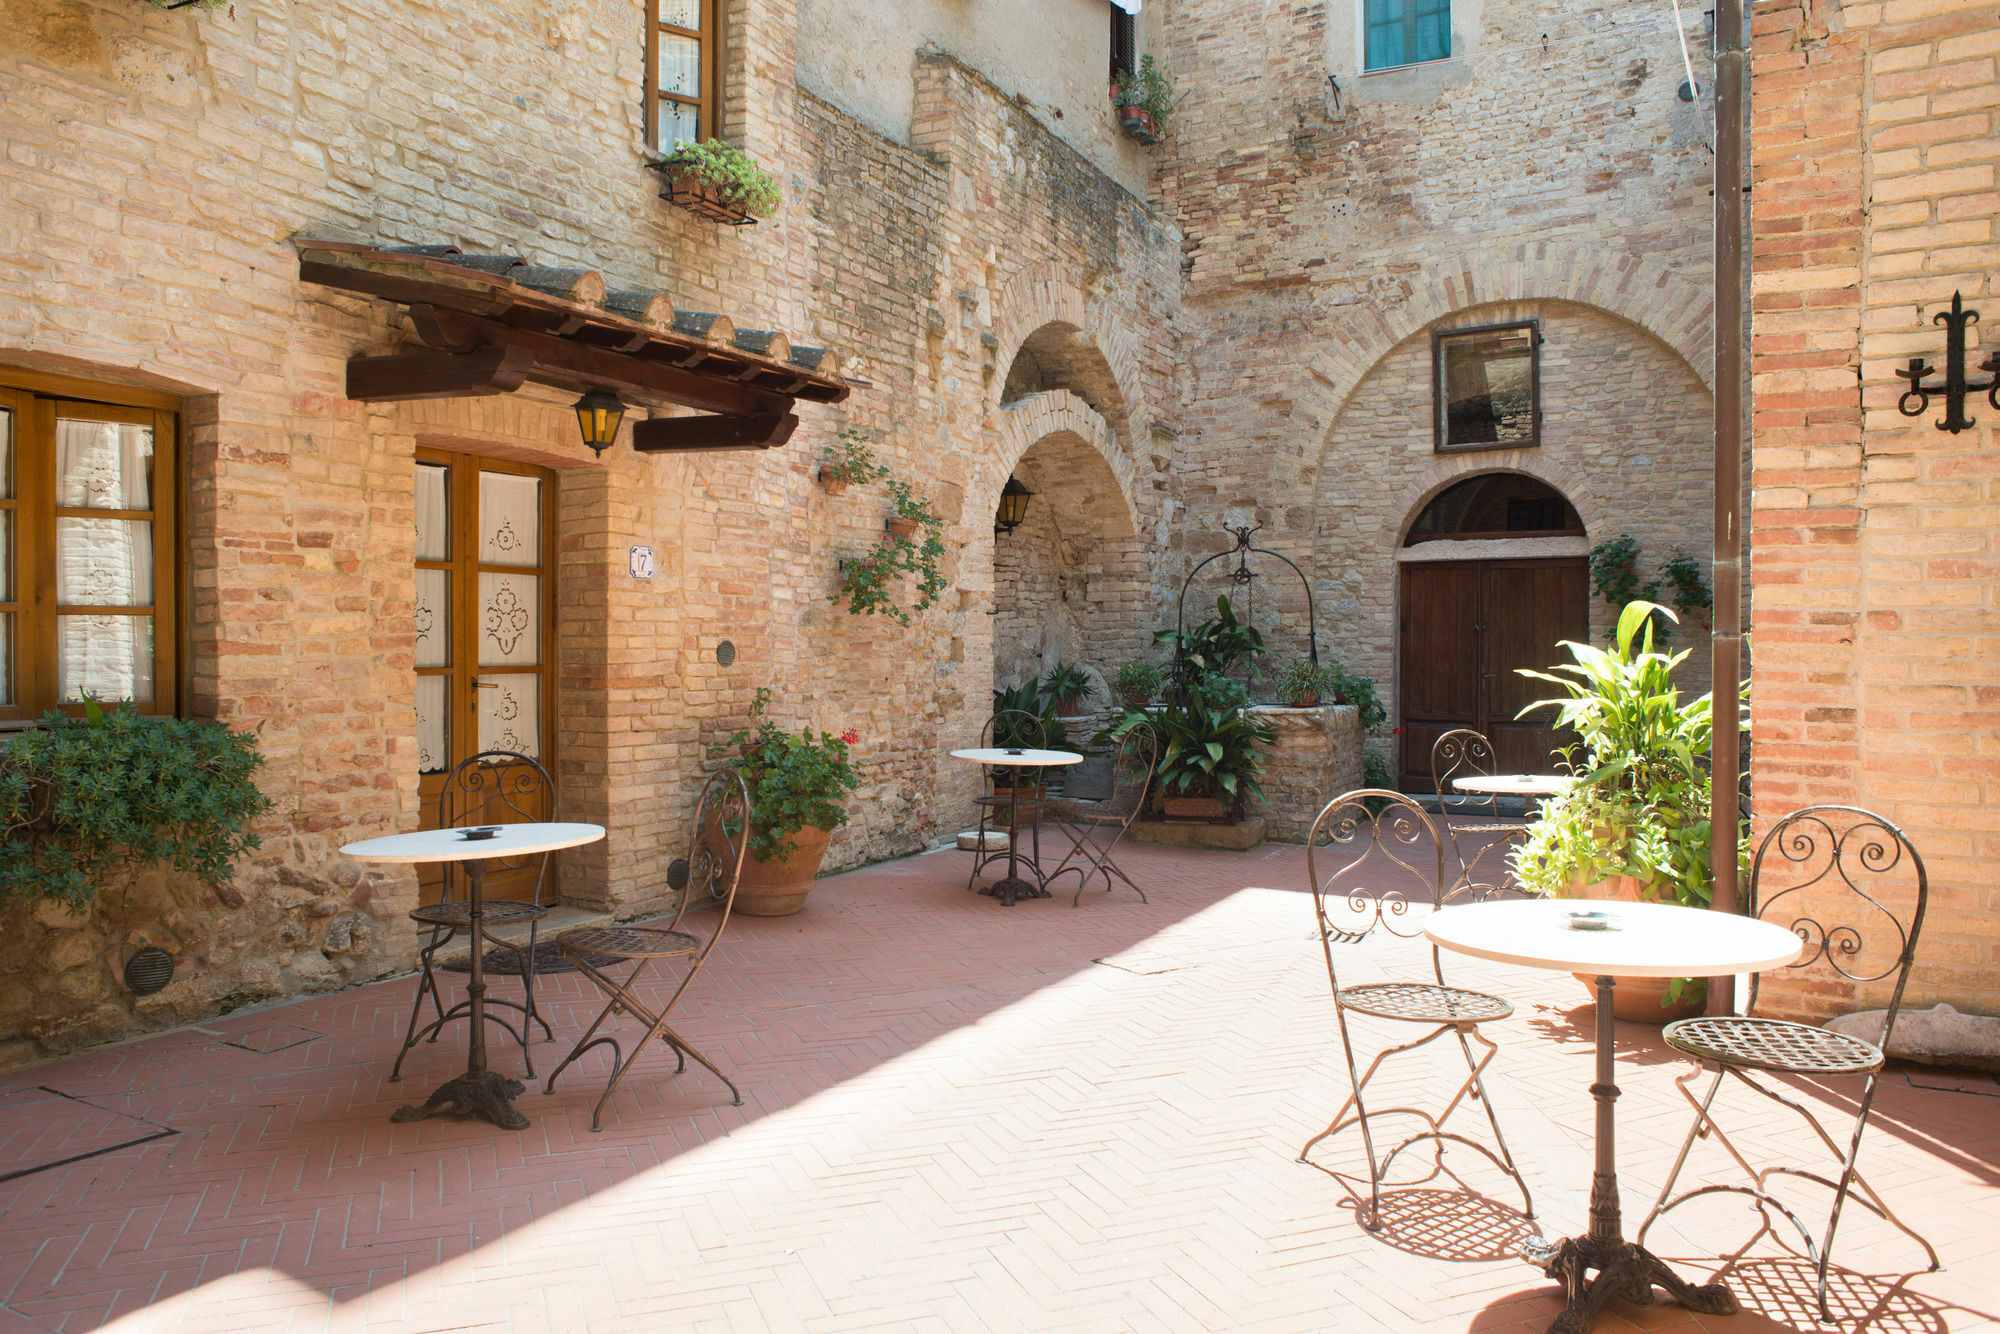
<point>1465,627</point>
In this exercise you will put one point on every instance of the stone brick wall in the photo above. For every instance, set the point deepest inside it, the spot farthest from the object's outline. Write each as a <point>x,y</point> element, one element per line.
<point>1326,234</point>
<point>1314,756</point>
<point>1874,149</point>
<point>159,165</point>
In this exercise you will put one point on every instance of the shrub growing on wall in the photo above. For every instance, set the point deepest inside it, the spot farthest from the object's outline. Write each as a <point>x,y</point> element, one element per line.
<point>81,796</point>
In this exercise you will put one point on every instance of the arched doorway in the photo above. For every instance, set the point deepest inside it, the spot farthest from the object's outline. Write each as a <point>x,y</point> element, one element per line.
<point>1492,576</point>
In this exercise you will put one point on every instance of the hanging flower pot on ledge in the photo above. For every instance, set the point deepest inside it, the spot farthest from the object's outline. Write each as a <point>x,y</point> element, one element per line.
<point>718,182</point>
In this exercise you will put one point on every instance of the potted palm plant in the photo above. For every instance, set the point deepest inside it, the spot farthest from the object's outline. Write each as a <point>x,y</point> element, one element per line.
<point>798,784</point>
<point>1065,687</point>
<point>1635,823</point>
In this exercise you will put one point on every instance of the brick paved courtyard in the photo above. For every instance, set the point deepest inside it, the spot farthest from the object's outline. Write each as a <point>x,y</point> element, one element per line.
<point>956,1116</point>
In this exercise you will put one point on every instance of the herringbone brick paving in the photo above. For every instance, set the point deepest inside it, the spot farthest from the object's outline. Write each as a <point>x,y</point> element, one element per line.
<point>957,1117</point>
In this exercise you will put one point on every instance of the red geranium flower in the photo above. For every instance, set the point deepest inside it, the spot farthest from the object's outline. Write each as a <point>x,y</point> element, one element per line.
<point>850,736</point>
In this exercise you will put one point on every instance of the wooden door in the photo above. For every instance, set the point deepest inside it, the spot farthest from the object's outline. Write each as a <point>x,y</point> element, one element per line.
<point>1465,627</point>
<point>485,607</point>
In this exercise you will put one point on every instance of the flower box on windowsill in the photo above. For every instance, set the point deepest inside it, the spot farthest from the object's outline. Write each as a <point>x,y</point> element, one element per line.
<point>699,197</point>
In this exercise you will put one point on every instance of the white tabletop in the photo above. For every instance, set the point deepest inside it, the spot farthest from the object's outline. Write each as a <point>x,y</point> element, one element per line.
<point>1645,939</point>
<point>448,845</point>
<point>1514,785</point>
<point>1019,758</point>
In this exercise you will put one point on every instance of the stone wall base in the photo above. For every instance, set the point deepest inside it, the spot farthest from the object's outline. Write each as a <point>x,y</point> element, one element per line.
<point>1314,756</point>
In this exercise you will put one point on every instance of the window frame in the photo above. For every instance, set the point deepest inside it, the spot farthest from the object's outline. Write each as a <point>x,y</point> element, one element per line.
<point>708,106</point>
<point>37,400</point>
<point>1440,401</point>
<point>1361,39</point>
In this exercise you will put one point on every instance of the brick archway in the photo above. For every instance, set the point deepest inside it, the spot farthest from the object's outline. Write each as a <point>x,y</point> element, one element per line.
<point>1040,296</point>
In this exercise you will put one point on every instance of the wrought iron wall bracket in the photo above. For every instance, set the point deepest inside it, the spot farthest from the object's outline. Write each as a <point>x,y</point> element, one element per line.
<point>1917,398</point>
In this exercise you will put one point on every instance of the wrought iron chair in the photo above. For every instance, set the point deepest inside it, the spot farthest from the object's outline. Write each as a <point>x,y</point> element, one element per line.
<point>1397,841</point>
<point>1464,753</point>
<point>492,787</point>
<point>1086,818</point>
<point>1008,727</point>
<point>716,846</point>
<point>1836,860</point>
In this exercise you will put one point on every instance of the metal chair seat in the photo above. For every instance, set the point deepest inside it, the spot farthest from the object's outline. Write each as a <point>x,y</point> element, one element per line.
<point>498,912</point>
<point>1423,1003</point>
<point>627,942</point>
<point>1773,1044</point>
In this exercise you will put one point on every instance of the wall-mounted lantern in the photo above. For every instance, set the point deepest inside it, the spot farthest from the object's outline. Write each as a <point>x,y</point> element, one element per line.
<point>599,414</point>
<point>1013,506</point>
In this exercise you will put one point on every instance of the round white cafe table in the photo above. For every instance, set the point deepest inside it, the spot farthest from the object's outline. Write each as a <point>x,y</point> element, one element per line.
<point>1013,886</point>
<point>1514,785</point>
<point>479,1091</point>
<point>1607,940</point>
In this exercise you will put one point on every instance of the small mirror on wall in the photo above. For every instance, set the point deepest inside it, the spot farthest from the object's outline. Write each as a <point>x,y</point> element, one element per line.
<point>1487,386</point>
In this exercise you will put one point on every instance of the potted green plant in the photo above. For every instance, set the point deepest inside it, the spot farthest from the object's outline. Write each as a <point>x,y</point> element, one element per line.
<point>1136,684</point>
<point>1349,688</point>
<point>1214,647</point>
<point>1065,686</point>
<point>1210,764</point>
<point>848,462</point>
<point>1143,97</point>
<point>718,182</point>
<point>1303,684</point>
<point>1635,822</point>
<point>798,784</point>
<point>82,796</point>
<point>912,543</point>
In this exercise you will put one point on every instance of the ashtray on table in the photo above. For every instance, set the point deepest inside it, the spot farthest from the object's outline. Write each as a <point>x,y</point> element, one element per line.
<point>480,831</point>
<point>1592,921</point>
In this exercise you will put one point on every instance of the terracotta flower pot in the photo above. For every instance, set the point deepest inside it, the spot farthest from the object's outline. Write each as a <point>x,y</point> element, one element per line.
<point>1194,808</point>
<point>1639,1000</point>
<point>898,526</point>
<point>830,484</point>
<point>777,887</point>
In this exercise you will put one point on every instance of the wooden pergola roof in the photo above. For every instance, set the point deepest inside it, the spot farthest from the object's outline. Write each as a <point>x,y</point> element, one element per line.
<point>493,323</point>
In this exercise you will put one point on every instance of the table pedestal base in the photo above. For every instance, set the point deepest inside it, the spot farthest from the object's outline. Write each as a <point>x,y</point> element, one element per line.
<point>486,1094</point>
<point>1624,1269</point>
<point>1013,887</point>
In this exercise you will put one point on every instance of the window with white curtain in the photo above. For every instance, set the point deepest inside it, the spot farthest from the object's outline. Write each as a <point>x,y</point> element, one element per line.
<point>682,61</point>
<point>88,559</point>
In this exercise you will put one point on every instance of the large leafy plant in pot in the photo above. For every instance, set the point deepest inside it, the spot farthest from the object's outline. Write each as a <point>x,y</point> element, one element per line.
<point>1635,822</point>
<point>799,783</point>
<point>1210,762</point>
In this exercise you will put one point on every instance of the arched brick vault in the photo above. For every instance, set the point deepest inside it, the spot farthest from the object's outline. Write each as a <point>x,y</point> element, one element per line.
<point>1637,290</point>
<point>1041,295</point>
<point>1027,421</point>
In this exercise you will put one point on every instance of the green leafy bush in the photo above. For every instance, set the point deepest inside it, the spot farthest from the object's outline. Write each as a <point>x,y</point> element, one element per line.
<point>81,796</point>
<point>1214,647</point>
<point>1209,745</point>
<point>1640,802</point>
<point>1359,691</point>
<point>850,460</point>
<point>795,779</point>
<point>734,175</point>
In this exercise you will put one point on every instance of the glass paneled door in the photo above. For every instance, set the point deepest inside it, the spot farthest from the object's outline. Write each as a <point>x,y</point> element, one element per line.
<point>485,621</point>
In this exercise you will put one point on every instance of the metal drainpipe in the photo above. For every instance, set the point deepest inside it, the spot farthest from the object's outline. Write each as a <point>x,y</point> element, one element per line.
<point>1732,97</point>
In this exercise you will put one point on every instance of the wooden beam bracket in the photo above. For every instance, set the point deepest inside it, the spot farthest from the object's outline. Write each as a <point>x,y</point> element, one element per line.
<point>417,375</point>
<point>707,435</point>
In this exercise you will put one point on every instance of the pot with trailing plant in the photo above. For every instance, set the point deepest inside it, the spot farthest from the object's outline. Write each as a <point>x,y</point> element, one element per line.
<point>1634,825</point>
<point>848,462</point>
<point>911,545</point>
<point>718,182</point>
<point>798,783</point>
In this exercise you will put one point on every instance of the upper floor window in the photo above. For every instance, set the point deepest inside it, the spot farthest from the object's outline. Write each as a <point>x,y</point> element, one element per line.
<point>1404,32</point>
<point>89,568</point>
<point>683,61</point>
<point>1488,386</point>
<point>1124,42</point>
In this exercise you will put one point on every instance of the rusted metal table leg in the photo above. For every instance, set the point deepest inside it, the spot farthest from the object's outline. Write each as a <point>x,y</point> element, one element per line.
<point>1013,886</point>
<point>1624,1269</point>
<point>479,1091</point>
